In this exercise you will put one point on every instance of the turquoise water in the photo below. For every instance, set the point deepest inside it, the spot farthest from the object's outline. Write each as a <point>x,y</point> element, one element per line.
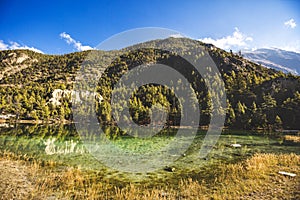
<point>63,145</point>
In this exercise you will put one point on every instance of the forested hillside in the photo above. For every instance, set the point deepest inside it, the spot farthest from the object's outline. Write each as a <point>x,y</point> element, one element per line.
<point>257,97</point>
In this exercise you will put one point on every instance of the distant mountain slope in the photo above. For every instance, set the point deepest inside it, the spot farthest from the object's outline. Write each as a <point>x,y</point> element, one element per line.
<point>286,61</point>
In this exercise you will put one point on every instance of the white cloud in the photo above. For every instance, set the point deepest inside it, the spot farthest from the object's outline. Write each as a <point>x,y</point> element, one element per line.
<point>77,45</point>
<point>234,41</point>
<point>3,46</point>
<point>15,45</point>
<point>177,35</point>
<point>294,46</point>
<point>290,23</point>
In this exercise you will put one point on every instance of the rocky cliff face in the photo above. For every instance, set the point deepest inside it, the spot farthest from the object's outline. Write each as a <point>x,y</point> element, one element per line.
<point>58,95</point>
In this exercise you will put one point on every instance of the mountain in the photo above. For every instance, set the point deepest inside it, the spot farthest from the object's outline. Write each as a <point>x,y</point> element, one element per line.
<point>286,61</point>
<point>36,86</point>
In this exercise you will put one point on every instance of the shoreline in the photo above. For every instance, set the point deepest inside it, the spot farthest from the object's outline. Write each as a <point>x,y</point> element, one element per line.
<point>66,122</point>
<point>25,121</point>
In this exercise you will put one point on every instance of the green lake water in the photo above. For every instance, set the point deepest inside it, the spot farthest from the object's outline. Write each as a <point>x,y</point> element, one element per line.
<point>68,150</point>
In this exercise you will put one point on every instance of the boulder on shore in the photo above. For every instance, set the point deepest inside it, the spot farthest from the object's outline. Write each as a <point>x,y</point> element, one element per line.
<point>236,145</point>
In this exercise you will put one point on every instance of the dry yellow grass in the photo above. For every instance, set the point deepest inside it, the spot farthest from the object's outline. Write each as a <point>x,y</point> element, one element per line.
<point>292,138</point>
<point>14,179</point>
<point>254,178</point>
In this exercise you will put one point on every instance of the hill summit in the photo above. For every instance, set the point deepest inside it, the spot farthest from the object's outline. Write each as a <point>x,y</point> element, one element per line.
<point>257,97</point>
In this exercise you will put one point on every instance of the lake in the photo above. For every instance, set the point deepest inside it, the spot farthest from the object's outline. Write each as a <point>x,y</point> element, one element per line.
<point>62,144</point>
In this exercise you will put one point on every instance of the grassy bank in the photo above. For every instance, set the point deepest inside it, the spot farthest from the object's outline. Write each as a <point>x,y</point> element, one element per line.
<point>254,178</point>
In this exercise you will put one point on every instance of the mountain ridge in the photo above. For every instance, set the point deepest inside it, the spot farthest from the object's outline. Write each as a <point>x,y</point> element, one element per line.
<point>257,97</point>
<point>286,61</point>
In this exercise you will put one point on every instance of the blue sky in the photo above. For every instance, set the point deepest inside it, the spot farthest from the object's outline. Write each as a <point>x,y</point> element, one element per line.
<point>57,27</point>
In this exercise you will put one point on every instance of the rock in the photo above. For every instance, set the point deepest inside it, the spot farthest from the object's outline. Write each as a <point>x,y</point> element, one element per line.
<point>59,94</point>
<point>170,169</point>
<point>236,145</point>
<point>287,173</point>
